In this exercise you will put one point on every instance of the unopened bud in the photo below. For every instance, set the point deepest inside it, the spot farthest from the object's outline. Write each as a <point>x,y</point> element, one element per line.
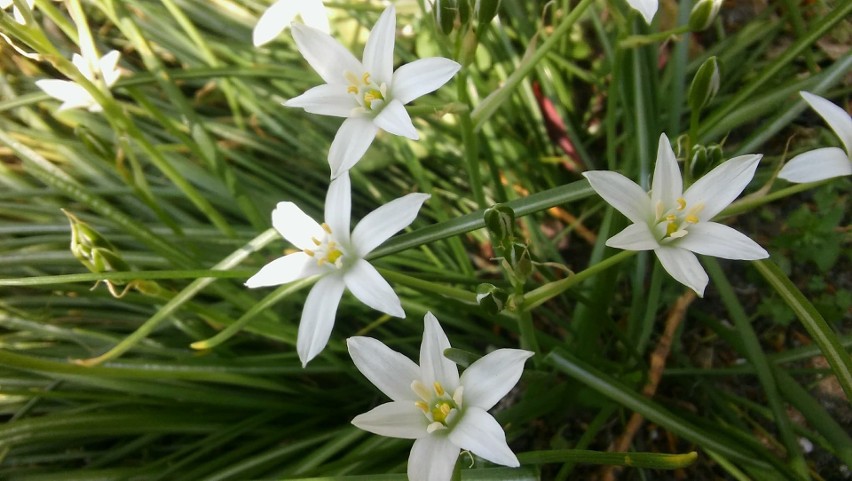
<point>705,84</point>
<point>500,222</point>
<point>703,14</point>
<point>522,263</point>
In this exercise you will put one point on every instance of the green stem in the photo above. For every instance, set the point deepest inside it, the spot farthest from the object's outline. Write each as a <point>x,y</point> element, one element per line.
<point>550,290</point>
<point>471,142</point>
<point>633,460</point>
<point>181,298</point>
<point>487,107</point>
<point>126,276</point>
<point>427,286</point>
<point>634,41</point>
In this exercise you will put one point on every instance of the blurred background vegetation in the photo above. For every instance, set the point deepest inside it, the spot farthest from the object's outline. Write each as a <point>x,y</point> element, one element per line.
<point>178,176</point>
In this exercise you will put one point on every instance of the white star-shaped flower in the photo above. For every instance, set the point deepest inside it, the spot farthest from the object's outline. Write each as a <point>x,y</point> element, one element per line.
<point>369,93</point>
<point>430,403</point>
<point>281,13</point>
<point>676,224</point>
<point>827,162</point>
<point>103,72</point>
<point>328,250</point>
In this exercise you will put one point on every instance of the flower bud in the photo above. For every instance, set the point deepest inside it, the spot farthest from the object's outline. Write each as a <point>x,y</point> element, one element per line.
<point>490,298</point>
<point>500,222</point>
<point>484,11</point>
<point>521,261</point>
<point>705,84</point>
<point>703,14</point>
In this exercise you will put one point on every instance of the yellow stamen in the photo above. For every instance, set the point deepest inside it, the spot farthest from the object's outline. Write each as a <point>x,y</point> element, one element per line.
<point>671,228</point>
<point>366,78</point>
<point>321,261</point>
<point>351,78</point>
<point>681,203</point>
<point>440,412</point>
<point>309,252</point>
<point>326,228</point>
<point>439,389</point>
<point>352,89</point>
<point>316,241</point>
<point>671,218</point>
<point>692,219</point>
<point>422,406</point>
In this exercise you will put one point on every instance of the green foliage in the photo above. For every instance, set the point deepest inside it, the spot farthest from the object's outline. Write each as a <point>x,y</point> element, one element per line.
<point>190,375</point>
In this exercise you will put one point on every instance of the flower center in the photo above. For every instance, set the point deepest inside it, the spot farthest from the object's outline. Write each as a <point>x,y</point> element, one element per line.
<point>673,223</point>
<point>327,251</point>
<point>437,405</point>
<point>370,95</point>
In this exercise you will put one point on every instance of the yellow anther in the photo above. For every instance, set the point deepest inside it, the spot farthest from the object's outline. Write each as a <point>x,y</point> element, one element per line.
<point>671,228</point>
<point>309,252</point>
<point>316,241</point>
<point>366,78</point>
<point>445,409</point>
<point>352,90</point>
<point>422,406</point>
<point>439,389</point>
<point>321,261</point>
<point>692,219</point>
<point>681,203</point>
<point>671,218</point>
<point>326,228</point>
<point>333,255</point>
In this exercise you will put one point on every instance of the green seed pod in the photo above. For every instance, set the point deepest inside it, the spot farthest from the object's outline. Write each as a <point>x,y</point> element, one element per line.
<point>490,298</point>
<point>500,222</point>
<point>703,14</point>
<point>705,84</point>
<point>94,251</point>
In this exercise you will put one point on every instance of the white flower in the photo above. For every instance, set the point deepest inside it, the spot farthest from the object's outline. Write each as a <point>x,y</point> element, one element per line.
<point>103,72</point>
<point>279,15</point>
<point>330,251</point>
<point>827,162</point>
<point>369,93</point>
<point>645,7</point>
<point>675,223</point>
<point>431,404</point>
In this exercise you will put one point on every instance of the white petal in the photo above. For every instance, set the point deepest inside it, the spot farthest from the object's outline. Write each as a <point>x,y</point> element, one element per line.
<point>433,365</point>
<point>635,237</point>
<point>718,240</point>
<point>721,185</point>
<point>330,59</point>
<point>819,164</point>
<point>420,77</point>
<point>107,65</point>
<point>394,119</point>
<point>338,208</point>
<point>296,226</point>
<point>667,185</point>
<point>379,225</point>
<point>72,95</point>
<point>318,317</point>
<point>350,143</point>
<point>325,99</point>
<point>378,53</point>
<point>285,269</point>
<point>646,7</point>
<point>314,15</point>
<point>684,267</point>
<point>82,65</point>
<point>623,194</point>
<point>398,419</point>
<point>365,283</point>
<point>274,20</point>
<point>836,117</point>
<point>492,376</point>
<point>432,458</point>
<point>387,369</point>
<point>478,432</point>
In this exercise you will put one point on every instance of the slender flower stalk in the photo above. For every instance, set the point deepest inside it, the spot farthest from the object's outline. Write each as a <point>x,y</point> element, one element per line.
<point>430,403</point>
<point>827,162</point>
<point>676,224</point>
<point>281,13</point>
<point>368,93</point>
<point>330,251</point>
<point>102,72</point>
